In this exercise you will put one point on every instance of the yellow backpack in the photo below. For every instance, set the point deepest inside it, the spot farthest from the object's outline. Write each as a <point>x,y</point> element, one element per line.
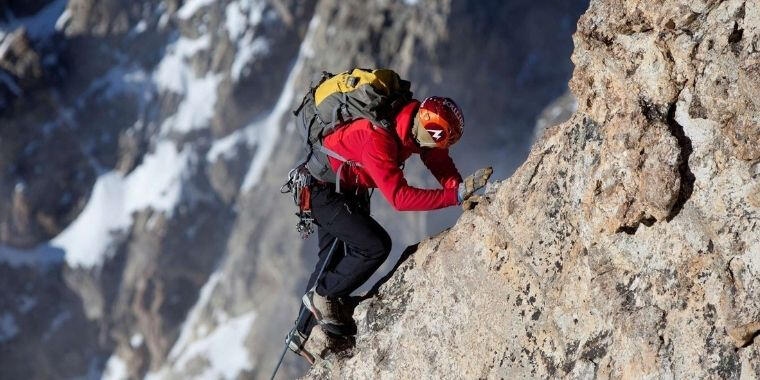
<point>376,95</point>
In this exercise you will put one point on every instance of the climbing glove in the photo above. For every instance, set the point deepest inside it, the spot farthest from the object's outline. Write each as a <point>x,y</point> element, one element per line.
<point>472,184</point>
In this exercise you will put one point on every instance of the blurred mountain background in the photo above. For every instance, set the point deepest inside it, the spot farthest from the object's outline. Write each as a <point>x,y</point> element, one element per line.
<point>143,144</point>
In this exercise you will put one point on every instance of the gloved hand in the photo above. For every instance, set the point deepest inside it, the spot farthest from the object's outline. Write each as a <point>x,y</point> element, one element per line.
<point>472,184</point>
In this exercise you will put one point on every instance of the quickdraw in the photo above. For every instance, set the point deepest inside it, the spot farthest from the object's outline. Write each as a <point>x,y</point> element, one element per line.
<point>299,184</point>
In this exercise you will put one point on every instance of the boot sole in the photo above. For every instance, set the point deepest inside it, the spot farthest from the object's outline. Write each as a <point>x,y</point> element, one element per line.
<point>306,355</point>
<point>300,350</point>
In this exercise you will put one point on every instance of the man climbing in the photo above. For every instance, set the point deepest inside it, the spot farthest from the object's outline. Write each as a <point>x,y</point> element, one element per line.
<point>359,127</point>
<point>365,156</point>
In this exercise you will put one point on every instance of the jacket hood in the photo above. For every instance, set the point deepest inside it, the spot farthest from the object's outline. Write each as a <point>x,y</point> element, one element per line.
<point>404,121</point>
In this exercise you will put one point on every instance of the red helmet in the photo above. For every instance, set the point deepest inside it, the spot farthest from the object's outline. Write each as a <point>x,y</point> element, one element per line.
<point>442,119</point>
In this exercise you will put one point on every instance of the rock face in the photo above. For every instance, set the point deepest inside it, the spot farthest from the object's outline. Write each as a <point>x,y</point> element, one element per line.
<point>626,246</point>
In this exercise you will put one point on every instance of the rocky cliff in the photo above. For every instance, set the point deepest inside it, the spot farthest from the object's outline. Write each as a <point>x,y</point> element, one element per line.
<point>143,144</point>
<point>628,243</point>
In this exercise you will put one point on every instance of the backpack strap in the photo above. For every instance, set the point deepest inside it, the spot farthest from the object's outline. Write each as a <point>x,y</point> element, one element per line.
<point>343,162</point>
<point>303,103</point>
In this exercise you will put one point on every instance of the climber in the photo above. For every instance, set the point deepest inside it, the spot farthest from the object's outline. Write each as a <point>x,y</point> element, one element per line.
<point>359,127</point>
<point>365,156</point>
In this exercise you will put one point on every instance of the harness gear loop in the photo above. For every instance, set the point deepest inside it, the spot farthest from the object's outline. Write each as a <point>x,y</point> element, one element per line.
<point>299,183</point>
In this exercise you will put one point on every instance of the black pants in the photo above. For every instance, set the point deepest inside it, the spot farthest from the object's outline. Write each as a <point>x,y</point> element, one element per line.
<point>363,244</point>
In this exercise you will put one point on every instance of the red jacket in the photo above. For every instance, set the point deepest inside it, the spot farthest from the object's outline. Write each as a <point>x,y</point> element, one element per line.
<point>381,154</point>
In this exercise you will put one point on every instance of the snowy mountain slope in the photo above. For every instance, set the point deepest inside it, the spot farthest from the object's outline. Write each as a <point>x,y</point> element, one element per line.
<point>142,165</point>
<point>159,207</point>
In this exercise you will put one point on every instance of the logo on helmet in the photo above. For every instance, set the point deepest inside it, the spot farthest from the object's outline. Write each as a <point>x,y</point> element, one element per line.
<point>451,106</point>
<point>436,133</point>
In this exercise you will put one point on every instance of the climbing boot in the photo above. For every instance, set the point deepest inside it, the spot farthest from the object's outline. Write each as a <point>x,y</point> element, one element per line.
<point>321,344</point>
<point>330,313</point>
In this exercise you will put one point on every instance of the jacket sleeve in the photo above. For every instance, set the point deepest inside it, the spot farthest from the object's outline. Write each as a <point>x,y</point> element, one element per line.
<point>379,160</point>
<point>442,167</point>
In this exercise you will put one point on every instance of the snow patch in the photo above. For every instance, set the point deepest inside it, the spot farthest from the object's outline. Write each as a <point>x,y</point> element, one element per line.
<point>8,327</point>
<point>234,20</point>
<point>176,74</point>
<point>156,184</point>
<point>174,71</point>
<point>163,21</point>
<point>63,19</point>
<point>140,27</point>
<point>136,340</point>
<point>116,369</point>
<point>241,29</point>
<point>268,129</point>
<point>197,109</point>
<point>89,236</point>
<point>224,349</point>
<point>5,43</point>
<point>191,7</point>
<point>188,333</point>
<point>226,146</point>
<point>220,341</point>
<point>249,49</point>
